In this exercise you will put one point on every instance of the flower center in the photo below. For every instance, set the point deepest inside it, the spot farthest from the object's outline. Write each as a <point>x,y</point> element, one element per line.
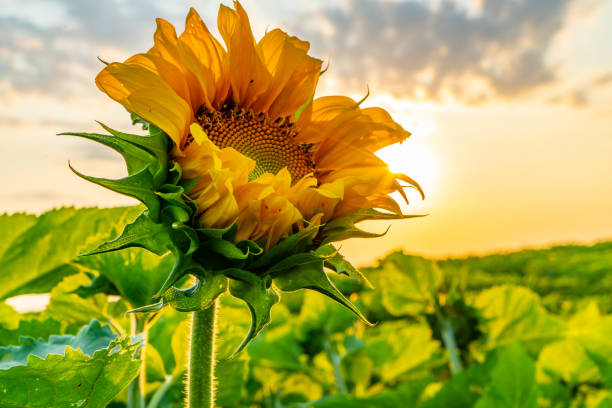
<point>270,143</point>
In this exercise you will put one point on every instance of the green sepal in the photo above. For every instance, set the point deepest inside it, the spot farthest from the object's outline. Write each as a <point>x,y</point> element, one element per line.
<point>188,184</point>
<point>157,143</point>
<point>334,260</point>
<point>135,157</point>
<point>293,244</point>
<point>198,297</point>
<point>305,271</point>
<point>141,233</point>
<point>192,237</point>
<point>153,308</point>
<point>139,185</point>
<point>343,228</point>
<point>259,296</point>
<point>138,120</point>
<point>219,233</point>
<point>250,247</point>
<point>226,249</point>
<point>183,265</point>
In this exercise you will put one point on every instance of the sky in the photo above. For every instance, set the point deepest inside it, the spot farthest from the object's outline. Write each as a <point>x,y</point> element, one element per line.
<point>509,103</point>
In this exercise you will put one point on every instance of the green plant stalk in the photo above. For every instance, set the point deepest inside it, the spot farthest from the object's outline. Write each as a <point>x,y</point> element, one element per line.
<point>201,365</point>
<point>448,338</point>
<point>136,389</point>
<point>335,360</point>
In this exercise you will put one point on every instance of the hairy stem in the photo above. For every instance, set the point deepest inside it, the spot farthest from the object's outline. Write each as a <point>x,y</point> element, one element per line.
<point>201,370</point>
<point>136,389</point>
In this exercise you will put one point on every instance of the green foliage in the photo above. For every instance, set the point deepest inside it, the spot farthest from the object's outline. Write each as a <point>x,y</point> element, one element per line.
<point>88,369</point>
<point>525,336</point>
<point>38,252</point>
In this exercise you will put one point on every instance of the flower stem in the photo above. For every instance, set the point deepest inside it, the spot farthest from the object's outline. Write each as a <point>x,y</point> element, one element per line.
<point>136,389</point>
<point>201,370</point>
<point>335,360</point>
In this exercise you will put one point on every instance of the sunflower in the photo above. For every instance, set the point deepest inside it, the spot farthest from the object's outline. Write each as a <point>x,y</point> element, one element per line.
<point>244,124</point>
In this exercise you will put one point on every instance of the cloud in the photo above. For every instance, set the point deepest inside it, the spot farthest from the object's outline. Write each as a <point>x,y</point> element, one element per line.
<point>436,49</point>
<point>587,93</point>
<point>58,54</point>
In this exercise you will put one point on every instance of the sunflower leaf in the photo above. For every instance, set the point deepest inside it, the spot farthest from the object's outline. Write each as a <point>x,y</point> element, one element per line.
<point>260,298</point>
<point>305,271</point>
<point>139,185</point>
<point>88,369</point>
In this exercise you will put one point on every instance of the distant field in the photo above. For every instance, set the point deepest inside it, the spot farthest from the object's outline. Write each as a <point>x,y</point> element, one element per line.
<point>526,329</point>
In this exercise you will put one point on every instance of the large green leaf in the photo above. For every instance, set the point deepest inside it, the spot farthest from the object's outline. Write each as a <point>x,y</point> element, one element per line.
<point>512,381</point>
<point>86,370</point>
<point>408,284</point>
<point>71,309</point>
<point>511,313</point>
<point>136,273</point>
<point>31,328</point>
<point>36,259</point>
<point>398,348</point>
<point>566,360</point>
<point>11,226</point>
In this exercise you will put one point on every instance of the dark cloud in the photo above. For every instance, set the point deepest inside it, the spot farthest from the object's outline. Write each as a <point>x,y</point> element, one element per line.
<point>61,58</point>
<point>399,46</point>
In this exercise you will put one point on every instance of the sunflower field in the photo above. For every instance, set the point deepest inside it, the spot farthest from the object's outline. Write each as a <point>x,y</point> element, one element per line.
<point>524,329</point>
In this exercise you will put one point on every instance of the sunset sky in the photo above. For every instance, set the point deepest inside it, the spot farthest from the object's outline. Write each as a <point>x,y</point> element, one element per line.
<point>509,103</point>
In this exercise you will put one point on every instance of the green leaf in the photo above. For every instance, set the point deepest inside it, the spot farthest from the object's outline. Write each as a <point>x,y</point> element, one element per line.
<point>408,284</point>
<point>88,376</point>
<point>568,361</point>
<point>398,348</point>
<point>35,261</point>
<point>90,338</point>
<point>30,328</point>
<point>512,381</point>
<point>260,298</point>
<point>464,388</point>
<point>140,186</point>
<point>511,313</point>
<point>72,310</point>
<point>406,395</point>
<point>231,378</point>
<point>135,273</point>
<point>305,271</point>
<point>12,226</point>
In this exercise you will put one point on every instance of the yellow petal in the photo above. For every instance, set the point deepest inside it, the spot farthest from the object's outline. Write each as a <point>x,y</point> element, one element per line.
<point>148,96</point>
<point>282,55</point>
<point>203,55</point>
<point>249,76</point>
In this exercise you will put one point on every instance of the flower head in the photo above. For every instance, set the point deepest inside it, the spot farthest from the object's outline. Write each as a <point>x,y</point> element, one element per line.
<point>245,127</point>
